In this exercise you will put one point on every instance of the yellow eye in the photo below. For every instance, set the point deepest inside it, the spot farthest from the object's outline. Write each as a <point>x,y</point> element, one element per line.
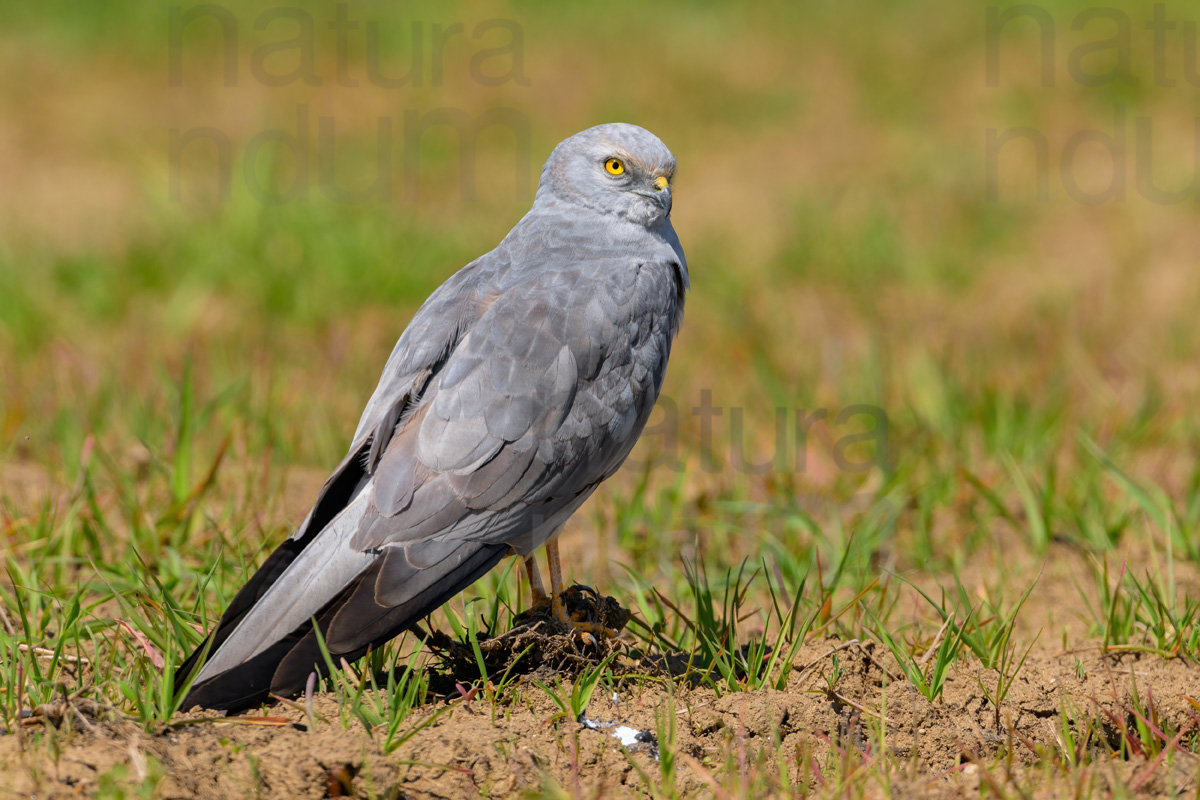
<point>614,166</point>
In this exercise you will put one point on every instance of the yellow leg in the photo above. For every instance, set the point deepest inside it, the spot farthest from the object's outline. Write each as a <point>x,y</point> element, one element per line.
<point>535,581</point>
<point>584,629</point>
<point>556,583</point>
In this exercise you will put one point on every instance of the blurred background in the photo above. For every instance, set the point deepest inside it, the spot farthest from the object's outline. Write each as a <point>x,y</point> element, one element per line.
<point>943,257</point>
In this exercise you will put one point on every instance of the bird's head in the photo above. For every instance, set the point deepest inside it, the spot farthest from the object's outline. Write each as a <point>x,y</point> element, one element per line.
<point>616,169</point>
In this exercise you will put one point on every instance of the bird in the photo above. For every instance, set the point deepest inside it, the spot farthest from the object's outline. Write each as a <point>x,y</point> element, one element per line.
<point>518,387</point>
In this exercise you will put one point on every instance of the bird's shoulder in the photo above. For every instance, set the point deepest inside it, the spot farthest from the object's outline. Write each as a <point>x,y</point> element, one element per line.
<point>555,282</point>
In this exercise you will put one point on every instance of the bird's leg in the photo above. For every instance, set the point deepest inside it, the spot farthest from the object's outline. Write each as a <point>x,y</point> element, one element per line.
<point>536,588</point>
<point>558,608</point>
<point>556,583</point>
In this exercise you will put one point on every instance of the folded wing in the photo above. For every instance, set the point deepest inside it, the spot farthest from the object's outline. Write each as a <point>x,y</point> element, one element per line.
<point>482,439</point>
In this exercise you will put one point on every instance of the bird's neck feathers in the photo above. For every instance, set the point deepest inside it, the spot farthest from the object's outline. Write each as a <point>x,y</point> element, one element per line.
<point>556,223</point>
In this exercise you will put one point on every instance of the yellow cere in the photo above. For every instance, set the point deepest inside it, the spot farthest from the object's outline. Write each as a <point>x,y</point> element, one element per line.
<point>614,166</point>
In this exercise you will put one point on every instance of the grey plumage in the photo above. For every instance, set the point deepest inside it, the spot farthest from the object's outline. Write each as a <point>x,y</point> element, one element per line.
<point>518,387</point>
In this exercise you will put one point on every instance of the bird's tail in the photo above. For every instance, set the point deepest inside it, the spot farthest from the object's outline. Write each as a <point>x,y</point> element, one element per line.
<point>350,624</point>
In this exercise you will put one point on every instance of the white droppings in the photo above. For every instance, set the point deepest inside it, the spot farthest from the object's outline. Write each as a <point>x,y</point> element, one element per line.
<point>626,735</point>
<point>630,738</point>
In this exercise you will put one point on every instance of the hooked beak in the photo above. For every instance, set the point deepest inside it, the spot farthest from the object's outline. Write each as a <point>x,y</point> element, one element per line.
<point>661,194</point>
<point>663,186</point>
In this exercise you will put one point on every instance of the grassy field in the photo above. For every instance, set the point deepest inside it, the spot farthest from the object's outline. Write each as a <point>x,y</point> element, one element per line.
<point>919,514</point>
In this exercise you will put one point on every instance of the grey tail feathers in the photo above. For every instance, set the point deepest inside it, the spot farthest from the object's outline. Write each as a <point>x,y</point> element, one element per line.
<point>283,668</point>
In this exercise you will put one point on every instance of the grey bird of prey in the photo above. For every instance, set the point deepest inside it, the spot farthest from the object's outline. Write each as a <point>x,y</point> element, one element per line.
<point>520,385</point>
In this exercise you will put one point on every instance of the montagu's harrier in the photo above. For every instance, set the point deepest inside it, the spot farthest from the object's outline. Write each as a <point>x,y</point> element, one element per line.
<point>520,385</point>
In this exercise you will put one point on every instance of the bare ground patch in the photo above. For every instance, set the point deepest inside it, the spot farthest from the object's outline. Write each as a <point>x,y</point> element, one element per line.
<point>522,741</point>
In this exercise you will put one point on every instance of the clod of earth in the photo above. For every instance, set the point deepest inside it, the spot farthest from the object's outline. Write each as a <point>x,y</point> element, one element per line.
<point>537,642</point>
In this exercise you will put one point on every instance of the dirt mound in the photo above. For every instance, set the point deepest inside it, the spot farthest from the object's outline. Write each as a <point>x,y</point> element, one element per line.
<point>540,644</point>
